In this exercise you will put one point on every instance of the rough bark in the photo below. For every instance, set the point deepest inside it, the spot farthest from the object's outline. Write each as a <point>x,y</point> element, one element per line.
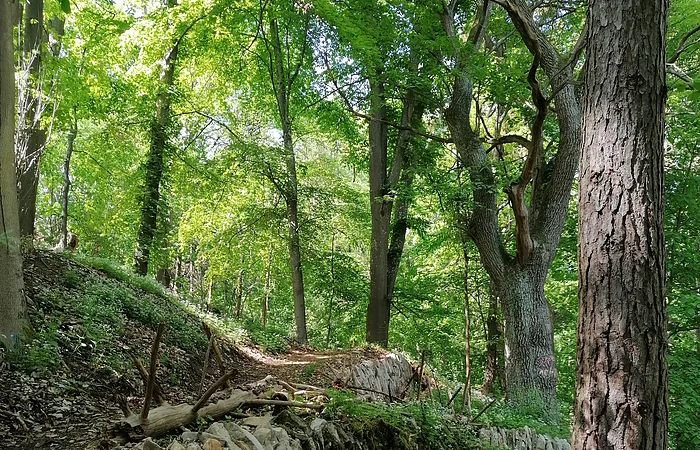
<point>12,302</point>
<point>282,83</point>
<point>621,377</point>
<point>31,137</point>
<point>154,163</point>
<point>378,310</point>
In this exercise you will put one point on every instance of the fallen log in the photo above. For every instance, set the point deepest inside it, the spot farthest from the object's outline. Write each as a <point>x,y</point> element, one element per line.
<point>166,418</point>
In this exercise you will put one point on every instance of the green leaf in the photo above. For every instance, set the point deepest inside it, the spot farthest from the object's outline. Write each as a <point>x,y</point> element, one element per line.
<point>65,6</point>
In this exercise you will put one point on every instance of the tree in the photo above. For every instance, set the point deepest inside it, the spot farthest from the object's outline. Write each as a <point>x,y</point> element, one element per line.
<point>518,280</point>
<point>154,162</point>
<point>621,377</point>
<point>12,304</point>
<point>285,64</point>
<point>31,138</point>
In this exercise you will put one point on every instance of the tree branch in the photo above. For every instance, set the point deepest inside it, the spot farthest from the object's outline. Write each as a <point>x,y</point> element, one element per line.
<point>681,45</point>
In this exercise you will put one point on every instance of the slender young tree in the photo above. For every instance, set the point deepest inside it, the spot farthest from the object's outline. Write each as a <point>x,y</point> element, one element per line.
<point>285,64</point>
<point>621,377</point>
<point>12,304</point>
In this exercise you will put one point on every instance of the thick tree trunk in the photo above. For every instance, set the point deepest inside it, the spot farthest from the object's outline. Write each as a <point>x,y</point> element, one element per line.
<point>621,376</point>
<point>378,310</point>
<point>531,376</point>
<point>31,137</point>
<point>12,302</point>
<point>72,134</point>
<point>154,164</point>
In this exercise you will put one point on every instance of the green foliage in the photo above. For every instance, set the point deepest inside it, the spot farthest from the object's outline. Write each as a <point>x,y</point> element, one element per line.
<point>405,426</point>
<point>120,272</point>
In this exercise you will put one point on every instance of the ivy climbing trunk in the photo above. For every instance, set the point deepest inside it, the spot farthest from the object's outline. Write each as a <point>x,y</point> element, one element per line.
<point>31,137</point>
<point>12,302</point>
<point>154,164</point>
<point>282,83</point>
<point>621,376</point>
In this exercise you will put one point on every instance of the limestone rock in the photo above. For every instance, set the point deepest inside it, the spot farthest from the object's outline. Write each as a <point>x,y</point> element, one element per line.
<point>212,444</point>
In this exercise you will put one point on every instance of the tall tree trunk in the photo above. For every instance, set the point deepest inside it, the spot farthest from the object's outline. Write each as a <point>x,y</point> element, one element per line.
<point>378,310</point>
<point>154,163</point>
<point>621,376</point>
<point>467,394</point>
<point>239,289</point>
<point>12,302</point>
<point>282,84</point>
<point>266,294</point>
<point>31,137</point>
<point>493,373</point>
<point>401,175</point>
<point>331,299</point>
<point>72,134</point>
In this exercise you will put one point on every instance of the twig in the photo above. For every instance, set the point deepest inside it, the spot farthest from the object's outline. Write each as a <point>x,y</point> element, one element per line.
<point>160,397</point>
<point>152,372</point>
<point>483,410</point>
<point>453,396</point>
<point>217,352</point>
<point>206,364</point>
<point>214,387</point>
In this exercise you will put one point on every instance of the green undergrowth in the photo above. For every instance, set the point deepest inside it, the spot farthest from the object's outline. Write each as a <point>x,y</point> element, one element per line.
<point>405,426</point>
<point>118,272</point>
<point>87,317</point>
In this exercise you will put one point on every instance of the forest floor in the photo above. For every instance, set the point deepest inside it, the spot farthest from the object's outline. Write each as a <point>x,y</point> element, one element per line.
<point>61,392</point>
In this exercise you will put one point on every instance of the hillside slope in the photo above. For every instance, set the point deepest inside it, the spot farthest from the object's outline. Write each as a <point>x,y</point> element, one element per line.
<point>86,326</point>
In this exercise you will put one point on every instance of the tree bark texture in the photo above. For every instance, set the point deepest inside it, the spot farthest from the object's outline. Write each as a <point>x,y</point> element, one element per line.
<point>12,302</point>
<point>378,310</point>
<point>31,137</point>
<point>621,377</point>
<point>519,284</point>
<point>282,83</point>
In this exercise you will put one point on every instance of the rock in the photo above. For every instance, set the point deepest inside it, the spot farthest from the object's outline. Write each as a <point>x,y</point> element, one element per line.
<point>299,429</point>
<point>389,375</point>
<point>175,445</point>
<point>235,431</point>
<point>148,444</point>
<point>212,444</point>
<point>257,421</point>
<point>193,446</point>
<point>190,436</point>
<point>218,429</point>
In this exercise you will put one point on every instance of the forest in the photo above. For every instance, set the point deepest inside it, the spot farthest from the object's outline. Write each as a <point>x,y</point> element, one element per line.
<point>451,179</point>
